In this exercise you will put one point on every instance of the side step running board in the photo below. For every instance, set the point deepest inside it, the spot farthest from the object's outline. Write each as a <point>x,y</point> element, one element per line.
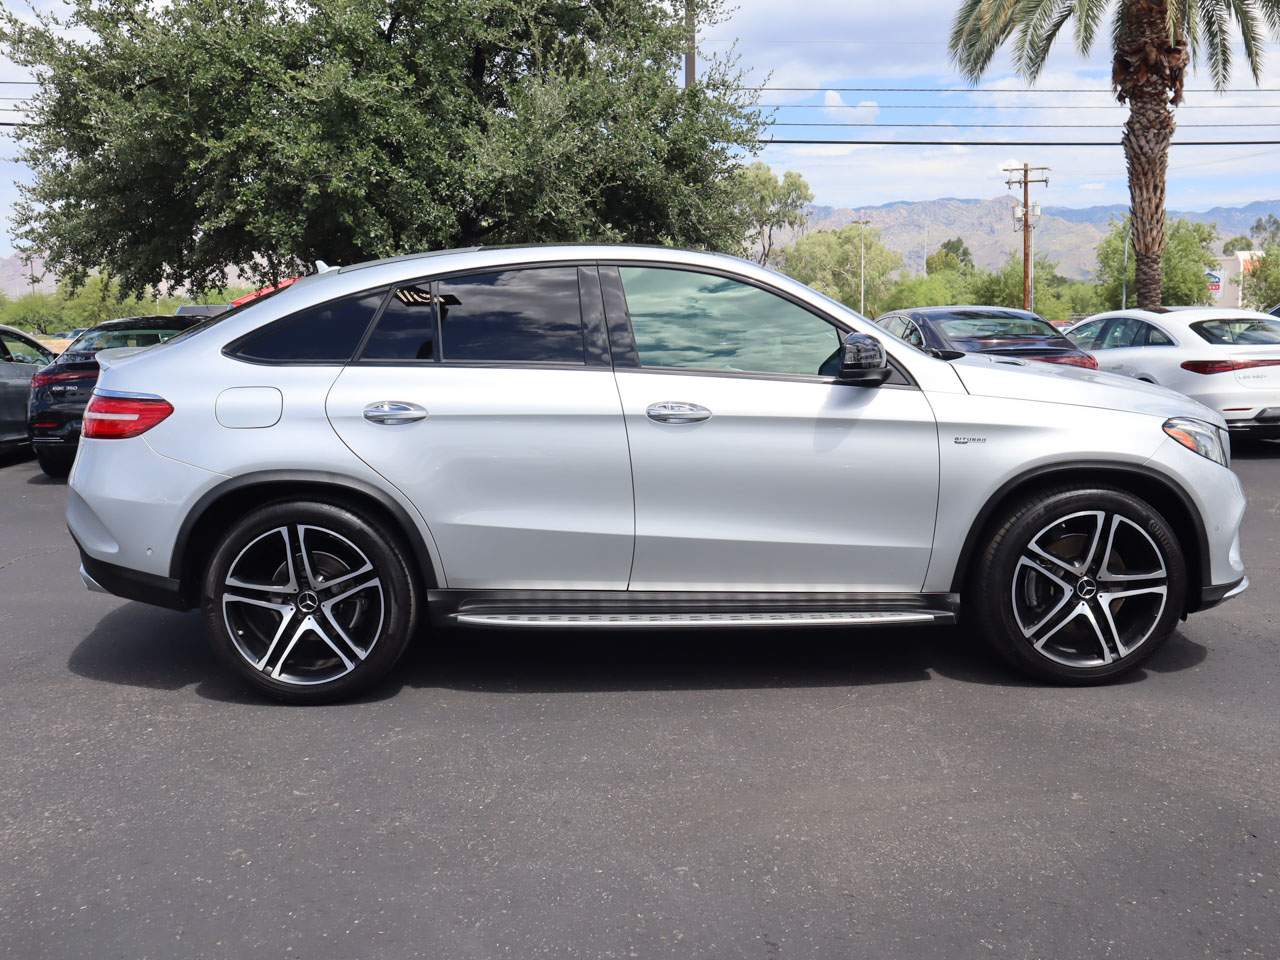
<point>799,618</point>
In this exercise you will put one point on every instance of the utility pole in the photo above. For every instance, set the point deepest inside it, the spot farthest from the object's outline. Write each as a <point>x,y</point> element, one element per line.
<point>691,51</point>
<point>1022,177</point>
<point>862,267</point>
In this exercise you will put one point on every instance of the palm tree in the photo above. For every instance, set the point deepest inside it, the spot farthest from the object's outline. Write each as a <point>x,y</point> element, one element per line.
<point>1154,41</point>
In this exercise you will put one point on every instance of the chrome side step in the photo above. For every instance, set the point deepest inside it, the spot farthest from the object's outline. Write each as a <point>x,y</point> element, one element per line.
<point>799,618</point>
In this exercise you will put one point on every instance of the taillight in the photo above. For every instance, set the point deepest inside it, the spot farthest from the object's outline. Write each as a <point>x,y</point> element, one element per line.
<point>1085,360</point>
<point>118,418</point>
<point>1226,366</point>
<point>43,377</point>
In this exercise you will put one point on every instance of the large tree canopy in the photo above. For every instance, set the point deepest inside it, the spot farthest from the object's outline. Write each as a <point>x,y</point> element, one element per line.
<point>171,142</point>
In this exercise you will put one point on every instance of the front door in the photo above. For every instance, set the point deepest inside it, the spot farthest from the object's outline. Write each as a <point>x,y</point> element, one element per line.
<point>488,400</point>
<point>753,468</point>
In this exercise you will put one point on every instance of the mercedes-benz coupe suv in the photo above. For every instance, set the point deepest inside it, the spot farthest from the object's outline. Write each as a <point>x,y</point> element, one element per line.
<point>568,437</point>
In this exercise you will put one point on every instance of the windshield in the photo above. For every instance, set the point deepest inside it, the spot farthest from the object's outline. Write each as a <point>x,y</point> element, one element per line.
<point>1242,330</point>
<point>109,338</point>
<point>996,326</point>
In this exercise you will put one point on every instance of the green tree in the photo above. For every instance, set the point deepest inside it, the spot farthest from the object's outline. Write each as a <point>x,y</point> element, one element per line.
<point>171,142</point>
<point>830,261</point>
<point>1261,282</point>
<point>1265,230</point>
<point>953,254</point>
<point>1236,243</point>
<point>1003,288</point>
<point>1153,43</point>
<point>1188,254</point>
<point>770,204</point>
<point>935,289</point>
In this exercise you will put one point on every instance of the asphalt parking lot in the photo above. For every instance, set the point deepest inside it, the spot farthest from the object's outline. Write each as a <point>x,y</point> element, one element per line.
<point>813,795</point>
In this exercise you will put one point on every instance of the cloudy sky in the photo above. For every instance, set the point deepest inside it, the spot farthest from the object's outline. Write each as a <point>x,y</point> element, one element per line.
<point>856,43</point>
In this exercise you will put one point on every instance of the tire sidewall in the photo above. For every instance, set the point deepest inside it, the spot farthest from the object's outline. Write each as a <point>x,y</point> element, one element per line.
<point>400,598</point>
<point>995,581</point>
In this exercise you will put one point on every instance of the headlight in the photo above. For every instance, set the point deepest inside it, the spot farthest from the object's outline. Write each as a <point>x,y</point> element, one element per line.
<point>1198,436</point>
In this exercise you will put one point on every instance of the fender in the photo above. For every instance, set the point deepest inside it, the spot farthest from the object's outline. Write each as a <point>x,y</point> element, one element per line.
<point>1115,469</point>
<point>422,554</point>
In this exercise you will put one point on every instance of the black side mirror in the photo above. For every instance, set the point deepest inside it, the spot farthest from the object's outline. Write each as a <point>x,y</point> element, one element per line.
<point>863,361</point>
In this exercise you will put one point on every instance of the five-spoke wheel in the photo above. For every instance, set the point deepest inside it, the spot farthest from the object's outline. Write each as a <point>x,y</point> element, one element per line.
<point>1079,584</point>
<point>309,601</point>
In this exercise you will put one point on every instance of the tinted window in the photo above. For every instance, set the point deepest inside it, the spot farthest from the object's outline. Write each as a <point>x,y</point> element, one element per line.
<point>973,325</point>
<point>407,328</point>
<point>1156,337</point>
<point>1242,331</point>
<point>686,319</point>
<point>21,351</point>
<point>107,338</point>
<point>512,316</point>
<point>1125,332</point>
<point>1084,335</point>
<point>327,333</point>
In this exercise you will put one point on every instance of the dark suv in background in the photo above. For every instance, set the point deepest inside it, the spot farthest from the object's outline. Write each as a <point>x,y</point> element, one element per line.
<point>978,329</point>
<point>61,390</point>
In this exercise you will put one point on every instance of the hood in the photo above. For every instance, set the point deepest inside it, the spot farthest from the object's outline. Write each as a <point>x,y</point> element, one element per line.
<point>1014,379</point>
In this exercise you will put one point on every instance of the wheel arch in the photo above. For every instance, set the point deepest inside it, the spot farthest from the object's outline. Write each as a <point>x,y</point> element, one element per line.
<point>197,537</point>
<point>1157,489</point>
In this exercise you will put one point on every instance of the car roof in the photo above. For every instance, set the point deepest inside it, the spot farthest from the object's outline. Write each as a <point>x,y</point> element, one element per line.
<point>928,312</point>
<point>1181,316</point>
<point>5,328</point>
<point>163,321</point>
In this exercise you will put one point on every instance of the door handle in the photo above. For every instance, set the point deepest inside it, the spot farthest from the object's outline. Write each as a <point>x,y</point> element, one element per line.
<point>391,412</point>
<point>677,411</point>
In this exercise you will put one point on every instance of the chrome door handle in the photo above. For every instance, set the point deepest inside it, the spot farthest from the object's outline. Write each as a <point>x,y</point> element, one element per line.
<point>677,411</point>
<point>393,412</point>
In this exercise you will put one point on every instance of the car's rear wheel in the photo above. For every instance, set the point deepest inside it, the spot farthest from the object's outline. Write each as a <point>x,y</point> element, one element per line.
<point>1079,585</point>
<point>309,602</point>
<point>54,462</point>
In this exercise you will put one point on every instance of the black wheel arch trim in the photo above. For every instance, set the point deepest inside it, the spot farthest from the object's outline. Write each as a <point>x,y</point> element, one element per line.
<point>314,478</point>
<point>1047,472</point>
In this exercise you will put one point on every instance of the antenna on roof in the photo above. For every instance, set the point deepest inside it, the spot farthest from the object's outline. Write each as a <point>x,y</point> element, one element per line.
<point>322,267</point>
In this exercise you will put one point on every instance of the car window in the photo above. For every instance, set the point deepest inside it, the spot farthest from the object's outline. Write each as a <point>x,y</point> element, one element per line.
<point>326,333</point>
<point>1156,337</point>
<point>1124,332</point>
<point>892,325</point>
<point>685,319</point>
<point>1084,335</point>
<point>22,351</point>
<point>111,338</point>
<point>407,328</point>
<point>1242,330</point>
<point>512,316</point>
<point>911,333</point>
<point>974,325</point>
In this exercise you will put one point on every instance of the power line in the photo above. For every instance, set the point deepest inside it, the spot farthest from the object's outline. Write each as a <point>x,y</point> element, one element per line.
<point>943,107</point>
<point>991,90</point>
<point>1014,126</point>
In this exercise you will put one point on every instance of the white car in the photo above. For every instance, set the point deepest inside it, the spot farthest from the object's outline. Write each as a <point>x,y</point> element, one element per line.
<point>563,437</point>
<point>1228,359</point>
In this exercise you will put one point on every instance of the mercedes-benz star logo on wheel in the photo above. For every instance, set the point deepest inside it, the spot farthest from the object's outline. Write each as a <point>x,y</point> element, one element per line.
<point>308,601</point>
<point>1086,588</point>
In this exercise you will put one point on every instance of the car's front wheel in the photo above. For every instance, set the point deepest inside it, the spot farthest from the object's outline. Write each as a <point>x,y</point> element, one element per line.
<point>309,602</point>
<point>1079,584</point>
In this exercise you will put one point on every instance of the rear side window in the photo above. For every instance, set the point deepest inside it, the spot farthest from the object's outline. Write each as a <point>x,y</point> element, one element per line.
<point>1085,334</point>
<point>531,315</point>
<point>326,333</point>
<point>1242,331</point>
<point>407,328</point>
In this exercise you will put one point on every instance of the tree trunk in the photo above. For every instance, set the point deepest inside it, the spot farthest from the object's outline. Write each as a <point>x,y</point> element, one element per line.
<point>1147,72</point>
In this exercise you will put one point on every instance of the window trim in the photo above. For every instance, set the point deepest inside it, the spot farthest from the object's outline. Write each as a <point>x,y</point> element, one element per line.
<point>229,349</point>
<point>601,345</point>
<point>622,336</point>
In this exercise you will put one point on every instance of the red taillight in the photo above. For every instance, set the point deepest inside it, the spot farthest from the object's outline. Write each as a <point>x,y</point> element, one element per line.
<point>1226,366</point>
<point>1085,360</point>
<point>43,377</point>
<point>118,418</point>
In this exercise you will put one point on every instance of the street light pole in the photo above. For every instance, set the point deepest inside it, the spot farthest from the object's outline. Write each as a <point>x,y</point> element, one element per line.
<point>862,266</point>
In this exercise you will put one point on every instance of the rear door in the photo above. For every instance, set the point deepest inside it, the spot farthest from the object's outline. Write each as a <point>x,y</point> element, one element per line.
<point>19,360</point>
<point>488,399</point>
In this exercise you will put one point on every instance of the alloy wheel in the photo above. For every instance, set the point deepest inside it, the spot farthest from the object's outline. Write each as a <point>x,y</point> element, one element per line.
<point>1089,588</point>
<point>303,605</point>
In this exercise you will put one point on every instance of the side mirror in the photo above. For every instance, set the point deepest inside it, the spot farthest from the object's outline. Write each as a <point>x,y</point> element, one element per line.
<point>863,361</point>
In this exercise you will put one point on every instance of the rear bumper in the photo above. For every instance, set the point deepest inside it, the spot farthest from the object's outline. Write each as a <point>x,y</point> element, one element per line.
<point>102,577</point>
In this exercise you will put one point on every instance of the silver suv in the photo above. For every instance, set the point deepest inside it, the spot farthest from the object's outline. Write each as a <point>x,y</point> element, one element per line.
<point>587,437</point>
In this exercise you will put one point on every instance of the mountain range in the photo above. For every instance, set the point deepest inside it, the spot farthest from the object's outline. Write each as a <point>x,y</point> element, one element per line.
<point>1067,235</point>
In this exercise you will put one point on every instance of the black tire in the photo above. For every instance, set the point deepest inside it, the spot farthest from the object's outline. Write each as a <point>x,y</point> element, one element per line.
<point>380,618</point>
<point>1009,589</point>
<point>55,463</point>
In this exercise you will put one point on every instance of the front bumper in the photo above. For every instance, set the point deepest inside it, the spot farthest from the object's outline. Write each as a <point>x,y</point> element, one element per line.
<point>1212,596</point>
